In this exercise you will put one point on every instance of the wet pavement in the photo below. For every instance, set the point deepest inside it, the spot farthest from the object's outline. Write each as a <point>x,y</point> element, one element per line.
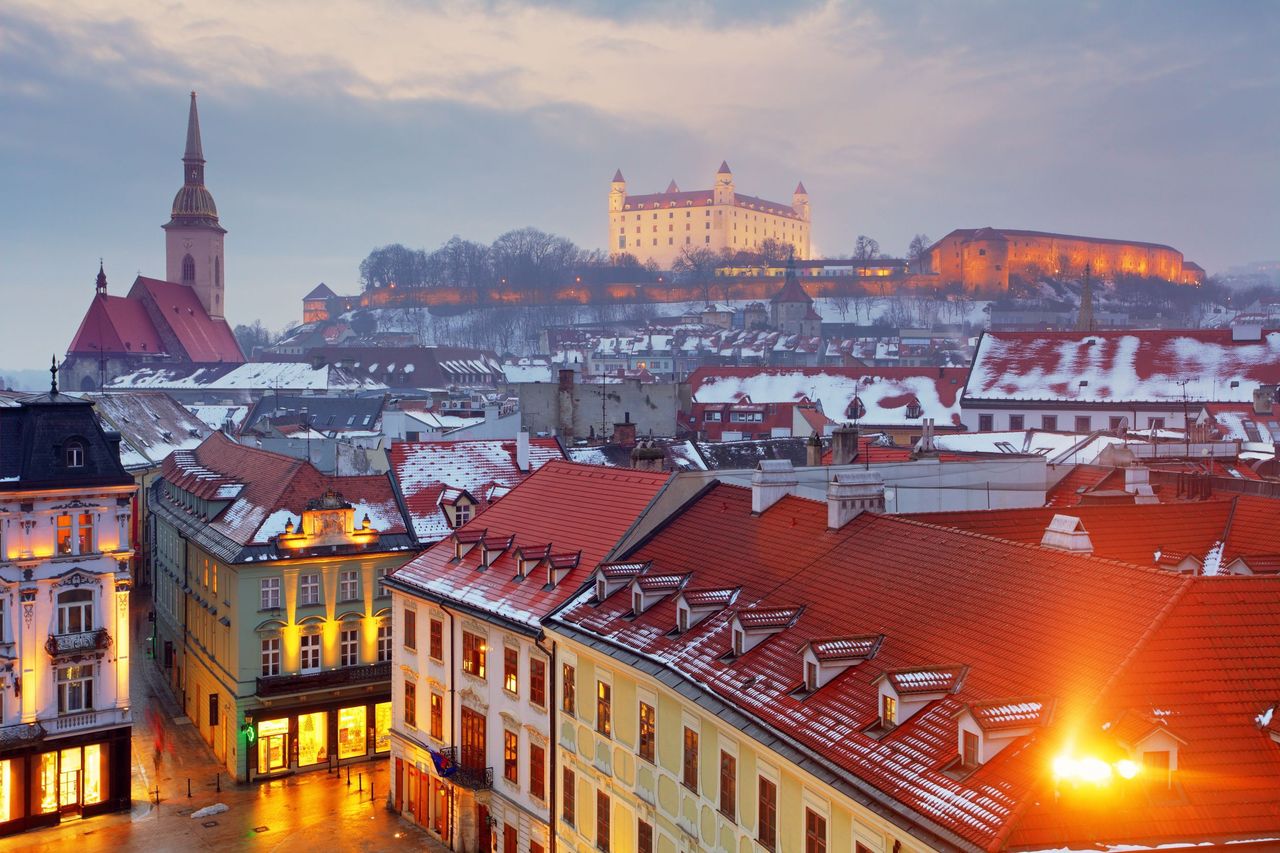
<point>316,810</point>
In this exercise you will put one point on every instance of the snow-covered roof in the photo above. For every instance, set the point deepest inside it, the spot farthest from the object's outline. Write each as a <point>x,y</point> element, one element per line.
<point>151,425</point>
<point>253,376</point>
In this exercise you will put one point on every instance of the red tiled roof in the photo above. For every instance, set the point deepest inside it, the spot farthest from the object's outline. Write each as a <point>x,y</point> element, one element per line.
<point>761,618</point>
<point>791,291</point>
<point>1080,479</point>
<point>927,679</point>
<point>844,648</point>
<point>1011,713</point>
<point>265,489</point>
<point>116,324</point>
<point>1026,622</point>
<point>721,597</point>
<point>424,470</point>
<point>204,339</point>
<point>580,508</point>
<point>1129,366</point>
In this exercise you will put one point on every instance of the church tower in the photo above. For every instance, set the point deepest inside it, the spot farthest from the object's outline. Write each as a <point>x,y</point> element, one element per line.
<point>193,237</point>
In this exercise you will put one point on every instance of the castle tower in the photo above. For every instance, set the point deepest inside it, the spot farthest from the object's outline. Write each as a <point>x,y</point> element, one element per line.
<point>800,201</point>
<point>723,193</point>
<point>617,192</point>
<point>193,237</point>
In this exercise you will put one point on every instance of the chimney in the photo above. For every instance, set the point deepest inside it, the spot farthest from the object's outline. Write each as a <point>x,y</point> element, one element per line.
<point>813,451</point>
<point>565,404</point>
<point>772,480</point>
<point>844,444</point>
<point>522,451</point>
<point>624,434</point>
<point>647,457</point>
<point>852,493</point>
<point>925,446</point>
<point>1067,533</point>
<point>566,379</point>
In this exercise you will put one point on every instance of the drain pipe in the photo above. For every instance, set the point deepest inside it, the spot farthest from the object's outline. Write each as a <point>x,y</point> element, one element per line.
<point>455,726</point>
<point>553,709</point>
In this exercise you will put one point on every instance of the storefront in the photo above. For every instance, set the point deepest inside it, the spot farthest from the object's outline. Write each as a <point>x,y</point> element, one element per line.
<point>46,781</point>
<point>303,738</point>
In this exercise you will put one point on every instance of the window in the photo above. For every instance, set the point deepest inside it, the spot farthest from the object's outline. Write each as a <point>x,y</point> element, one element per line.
<point>815,832</point>
<point>602,821</point>
<point>1155,423</point>
<point>986,423</point>
<point>1016,422</point>
<point>410,629</point>
<point>510,841</point>
<point>970,754</point>
<point>436,720</point>
<point>74,455</point>
<point>768,814</point>
<point>271,656</point>
<point>535,847</point>
<point>690,777</point>
<point>568,798</point>
<point>604,711</point>
<point>511,670</point>
<point>644,837</point>
<point>537,771</point>
<point>75,689</point>
<point>309,652</point>
<point>349,646</point>
<point>349,585</point>
<point>1114,422</point>
<point>380,583</point>
<point>411,704</point>
<point>538,682</point>
<point>75,611</point>
<point>461,514</point>
<point>86,534</point>
<point>64,534</point>
<point>511,756</point>
<point>728,785</point>
<point>270,594</point>
<point>710,417</point>
<point>1049,422</point>
<point>473,654</point>
<point>188,270</point>
<point>1084,423</point>
<point>569,703</point>
<point>810,675</point>
<point>648,720</point>
<point>888,710</point>
<point>436,649</point>
<point>384,643</point>
<point>309,589</point>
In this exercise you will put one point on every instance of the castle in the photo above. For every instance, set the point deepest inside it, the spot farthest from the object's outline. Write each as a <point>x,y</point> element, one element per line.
<point>176,321</point>
<point>984,259</point>
<point>659,227</point>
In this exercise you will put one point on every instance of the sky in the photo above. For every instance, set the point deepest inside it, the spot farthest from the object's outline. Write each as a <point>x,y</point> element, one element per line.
<point>334,127</point>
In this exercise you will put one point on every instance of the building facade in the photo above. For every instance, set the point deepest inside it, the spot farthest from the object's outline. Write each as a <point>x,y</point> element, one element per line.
<point>473,679</point>
<point>984,259</point>
<point>273,624</point>
<point>65,553</point>
<point>660,227</point>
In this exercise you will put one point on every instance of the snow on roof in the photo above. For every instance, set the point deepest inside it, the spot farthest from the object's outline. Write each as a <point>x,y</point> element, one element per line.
<point>151,425</point>
<point>1130,366</point>
<point>255,375</point>
<point>885,393</point>
<point>216,416</point>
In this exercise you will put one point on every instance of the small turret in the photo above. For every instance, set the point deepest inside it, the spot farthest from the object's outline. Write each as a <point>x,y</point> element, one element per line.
<point>800,201</point>
<point>724,184</point>
<point>617,192</point>
<point>100,287</point>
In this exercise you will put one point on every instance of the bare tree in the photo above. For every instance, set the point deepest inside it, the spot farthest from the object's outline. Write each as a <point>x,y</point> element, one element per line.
<point>697,266</point>
<point>918,251</point>
<point>865,249</point>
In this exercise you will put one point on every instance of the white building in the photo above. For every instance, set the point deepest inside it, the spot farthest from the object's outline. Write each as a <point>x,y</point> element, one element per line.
<point>66,519</point>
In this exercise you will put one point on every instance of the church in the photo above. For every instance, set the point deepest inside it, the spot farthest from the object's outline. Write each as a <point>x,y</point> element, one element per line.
<point>175,321</point>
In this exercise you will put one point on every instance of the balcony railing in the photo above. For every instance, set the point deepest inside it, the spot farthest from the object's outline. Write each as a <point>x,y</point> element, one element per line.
<point>88,719</point>
<point>274,685</point>
<point>467,775</point>
<point>83,641</point>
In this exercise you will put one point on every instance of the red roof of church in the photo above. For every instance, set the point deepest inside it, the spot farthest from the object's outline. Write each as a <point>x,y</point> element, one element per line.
<point>791,291</point>
<point>561,509</point>
<point>115,324</point>
<point>205,339</point>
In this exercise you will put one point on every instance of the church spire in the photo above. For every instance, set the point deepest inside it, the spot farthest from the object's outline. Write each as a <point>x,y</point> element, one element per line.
<point>194,151</point>
<point>101,284</point>
<point>193,205</point>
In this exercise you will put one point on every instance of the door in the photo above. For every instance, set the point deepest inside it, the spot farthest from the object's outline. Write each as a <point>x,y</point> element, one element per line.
<point>411,800</point>
<point>399,784</point>
<point>274,749</point>
<point>486,832</point>
<point>69,780</point>
<point>473,741</point>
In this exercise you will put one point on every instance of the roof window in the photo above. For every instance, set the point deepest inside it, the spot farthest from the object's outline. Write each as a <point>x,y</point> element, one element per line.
<point>492,549</point>
<point>529,558</point>
<point>827,657</point>
<point>611,577</point>
<point>904,692</point>
<point>648,589</point>
<point>983,729</point>
<point>465,540</point>
<point>1067,533</point>
<point>753,626</point>
<point>695,605</point>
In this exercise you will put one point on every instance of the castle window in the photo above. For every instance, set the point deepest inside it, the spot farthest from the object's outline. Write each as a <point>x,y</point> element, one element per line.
<point>188,270</point>
<point>982,251</point>
<point>75,455</point>
<point>217,271</point>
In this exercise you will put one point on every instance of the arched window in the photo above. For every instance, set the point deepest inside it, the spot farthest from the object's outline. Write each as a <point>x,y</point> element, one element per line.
<point>74,454</point>
<point>188,270</point>
<point>217,272</point>
<point>75,611</point>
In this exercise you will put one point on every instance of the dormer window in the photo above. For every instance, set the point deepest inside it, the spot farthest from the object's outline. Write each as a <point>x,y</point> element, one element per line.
<point>753,626</point>
<point>983,729</point>
<point>73,453</point>
<point>461,514</point>
<point>637,602</point>
<point>888,711</point>
<point>969,755</point>
<point>810,676</point>
<point>831,656</point>
<point>739,640</point>
<point>904,692</point>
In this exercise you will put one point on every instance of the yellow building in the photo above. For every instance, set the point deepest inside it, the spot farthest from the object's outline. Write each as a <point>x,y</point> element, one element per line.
<point>660,227</point>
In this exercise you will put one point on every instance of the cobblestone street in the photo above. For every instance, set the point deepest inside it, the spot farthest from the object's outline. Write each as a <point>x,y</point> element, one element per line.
<point>316,810</point>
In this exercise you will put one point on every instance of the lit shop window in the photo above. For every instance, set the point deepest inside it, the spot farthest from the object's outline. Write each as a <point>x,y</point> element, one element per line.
<point>48,782</point>
<point>6,790</point>
<point>382,727</point>
<point>92,774</point>
<point>352,732</point>
<point>313,736</point>
<point>273,745</point>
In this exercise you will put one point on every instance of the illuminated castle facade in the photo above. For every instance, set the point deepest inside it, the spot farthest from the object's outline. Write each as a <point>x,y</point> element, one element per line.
<point>986,258</point>
<point>661,226</point>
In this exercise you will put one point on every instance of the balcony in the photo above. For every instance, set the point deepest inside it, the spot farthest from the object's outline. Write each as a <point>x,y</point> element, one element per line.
<point>468,776</point>
<point>83,641</point>
<point>88,720</point>
<point>347,676</point>
<point>20,734</point>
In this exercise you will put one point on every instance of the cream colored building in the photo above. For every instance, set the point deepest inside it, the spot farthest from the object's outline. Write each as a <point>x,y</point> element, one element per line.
<point>660,227</point>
